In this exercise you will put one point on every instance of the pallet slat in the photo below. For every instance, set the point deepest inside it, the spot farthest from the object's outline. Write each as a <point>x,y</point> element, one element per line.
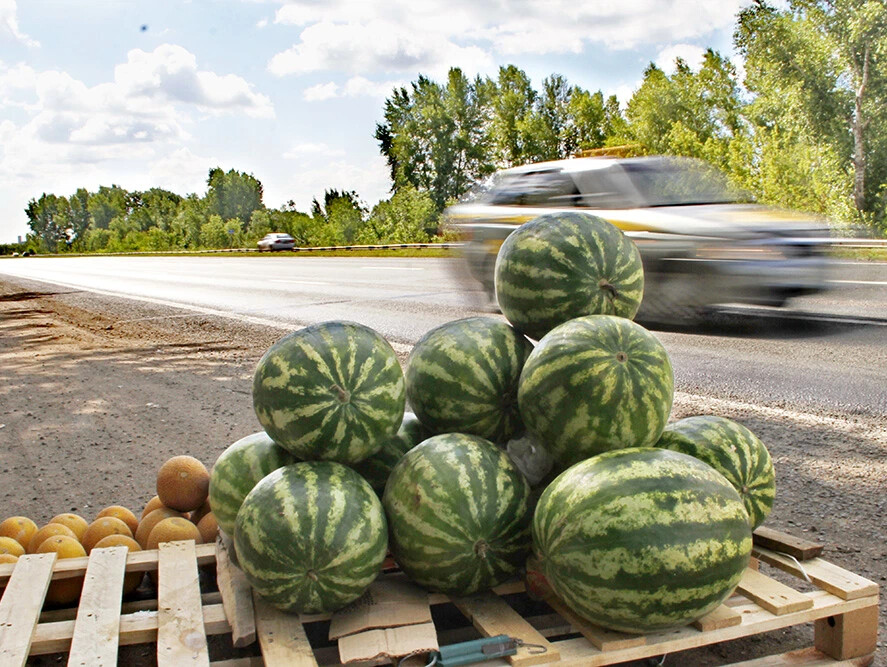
<point>825,575</point>
<point>794,546</point>
<point>236,596</point>
<point>282,637</point>
<point>492,616</point>
<point>600,638</point>
<point>21,604</point>
<point>722,617</point>
<point>773,596</point>
<point>181,637</point>
<point>96,629</point>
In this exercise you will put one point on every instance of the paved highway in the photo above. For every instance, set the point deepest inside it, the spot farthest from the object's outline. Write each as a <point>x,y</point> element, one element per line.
<point>825,355</point>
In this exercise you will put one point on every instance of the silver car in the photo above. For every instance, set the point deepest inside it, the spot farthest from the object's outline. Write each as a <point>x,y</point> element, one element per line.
<point>702,244</point>
<point>276,241</point>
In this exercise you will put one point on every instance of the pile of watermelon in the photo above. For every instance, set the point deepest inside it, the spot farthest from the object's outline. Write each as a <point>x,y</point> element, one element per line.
<point>639,525</point>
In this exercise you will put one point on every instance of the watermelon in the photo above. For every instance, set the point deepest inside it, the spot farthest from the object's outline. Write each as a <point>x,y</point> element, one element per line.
<point>594,384</point>
<point>458,514</point>
<point>331,391</point>
<point>237,470</point>
<point>377,467</point>
<point>564,265</point>
<point>461,377</point>
<point>732,450</point>
<point>311,537</point>
<point>641,539</point>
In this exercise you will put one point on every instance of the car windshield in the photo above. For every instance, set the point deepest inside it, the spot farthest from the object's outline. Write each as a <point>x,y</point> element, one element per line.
<point>676,182</point>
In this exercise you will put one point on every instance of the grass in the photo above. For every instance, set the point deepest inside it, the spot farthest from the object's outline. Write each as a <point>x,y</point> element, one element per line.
<point>392,252</point>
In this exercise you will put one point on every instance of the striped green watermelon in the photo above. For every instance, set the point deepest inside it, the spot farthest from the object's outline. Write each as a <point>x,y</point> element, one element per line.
<point>641,539</point>
<point>732,450</point>
<point>461,377</point>
<point>560,266</point>
<point>458,515</point>
<point>378,467</point>
<point>311,537</point>
<point>237,470</point>
<point>595,384</point>
<point>332,391</point>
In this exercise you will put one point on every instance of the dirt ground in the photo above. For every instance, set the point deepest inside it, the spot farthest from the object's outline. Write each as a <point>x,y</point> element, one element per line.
<point>95,393</point>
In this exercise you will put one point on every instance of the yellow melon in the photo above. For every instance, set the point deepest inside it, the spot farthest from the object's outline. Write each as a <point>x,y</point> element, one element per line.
<point>131,580</point>
<point>154,504</point>
<point>172,529</point>
<point>63,591</point>
<point>11,547</point>
<point>106,525</point>
<point>122,513</point>
<point>208,527</point>
<point>73,521</point>
<point>183,483</point>
<point>7,558</point>
<point>200,512</point>
<point>147,524</point>
<point>19,528</point>
<point>49,530</point>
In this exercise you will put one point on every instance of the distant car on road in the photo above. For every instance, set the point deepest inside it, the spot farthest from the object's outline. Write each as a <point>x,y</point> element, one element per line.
<point>702,243</point>
<point>276,241</point>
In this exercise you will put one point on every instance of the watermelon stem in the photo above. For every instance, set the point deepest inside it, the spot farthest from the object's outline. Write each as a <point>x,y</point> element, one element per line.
<point>607,286</point>
<point>342,394</point>
<point>481,548</point>
<point>312,575</point>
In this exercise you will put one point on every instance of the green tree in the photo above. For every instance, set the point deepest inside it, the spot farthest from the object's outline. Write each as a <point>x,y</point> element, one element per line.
<point>190,216</point>
<point>233,194</point>
<point>818,73</point>
<point>47,221</point>
<point>408,217</point>
<point>512,100</point>
<point>78,216</point>
<point>106,204</point>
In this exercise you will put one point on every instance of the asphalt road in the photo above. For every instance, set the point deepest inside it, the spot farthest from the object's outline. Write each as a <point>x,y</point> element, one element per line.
<point>825,355</point>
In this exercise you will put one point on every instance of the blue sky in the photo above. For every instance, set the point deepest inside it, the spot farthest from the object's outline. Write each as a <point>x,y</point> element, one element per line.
<point>144,94</point>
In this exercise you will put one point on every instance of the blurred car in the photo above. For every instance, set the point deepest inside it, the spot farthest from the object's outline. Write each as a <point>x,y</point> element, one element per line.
<point>701,242</point>
<point>276,241</point>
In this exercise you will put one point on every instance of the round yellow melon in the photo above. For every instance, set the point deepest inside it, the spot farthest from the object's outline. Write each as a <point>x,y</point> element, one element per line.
<point>147,524</point>
<point>63,591</point>
<point>122,513</point>
<point>200,512</point>
<point>106,525</point>
<point>7,558</point>
<point>49,530</point>
<point>154,504</point>
<point>19,528</point>
<point>131,580</point>
<point>11,547</point>
<point>183,483</point>
<point>73,521</point>
<point>172,529</point>
<point>209,528</point>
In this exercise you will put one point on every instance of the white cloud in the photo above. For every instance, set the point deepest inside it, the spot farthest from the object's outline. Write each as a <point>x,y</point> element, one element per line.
<point>9,25</point>
<point>180,171</point>
<point>308,149</point>
<point>320,92</point>
<point>689,53</point>
<point>356,36</point>
<point>262,23</point>
<point>369,178</point>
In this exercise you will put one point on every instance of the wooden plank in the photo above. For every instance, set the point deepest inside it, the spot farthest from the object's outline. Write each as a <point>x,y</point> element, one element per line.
<point>236,596</point>
<point>849,635</point>
<point>788,544</point>
<point>722,617</point>
<point>828,576</point>
<point>254,661</point>
<point>281,637</point>
<point>20,606</point>
<point>601,638</point>
<point>181,637</point>
<point>775,597</point>
<point>96,630</point>
<point>136,628</point>
<point>805,657</point>
<point>492,616</point>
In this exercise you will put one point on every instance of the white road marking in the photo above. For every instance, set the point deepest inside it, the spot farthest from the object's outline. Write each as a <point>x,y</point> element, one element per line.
<point>392,268</point>
<point>859,282</point>
<point>400,348</point>
<point>303,282</point>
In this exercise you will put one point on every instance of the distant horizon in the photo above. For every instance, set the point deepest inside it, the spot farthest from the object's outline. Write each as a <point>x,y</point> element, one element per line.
<point>288,92</point>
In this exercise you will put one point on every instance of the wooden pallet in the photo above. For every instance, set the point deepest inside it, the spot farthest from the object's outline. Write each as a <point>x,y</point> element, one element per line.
<point>842,605</point>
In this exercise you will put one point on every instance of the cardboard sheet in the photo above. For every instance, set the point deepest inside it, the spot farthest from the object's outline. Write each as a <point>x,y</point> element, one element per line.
<point>388,643</point>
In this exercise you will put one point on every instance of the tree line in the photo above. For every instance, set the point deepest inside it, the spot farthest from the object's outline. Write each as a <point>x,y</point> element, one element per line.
<point>804,128</point>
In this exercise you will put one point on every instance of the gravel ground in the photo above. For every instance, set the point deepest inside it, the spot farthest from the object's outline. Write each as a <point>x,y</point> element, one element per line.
<point>95,393</point>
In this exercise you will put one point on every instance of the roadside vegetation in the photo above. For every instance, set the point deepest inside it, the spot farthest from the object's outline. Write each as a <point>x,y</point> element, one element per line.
<point>804,126</point>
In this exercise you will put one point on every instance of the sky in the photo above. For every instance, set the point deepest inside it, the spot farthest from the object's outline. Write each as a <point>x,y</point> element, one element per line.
<point>156,93</point>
